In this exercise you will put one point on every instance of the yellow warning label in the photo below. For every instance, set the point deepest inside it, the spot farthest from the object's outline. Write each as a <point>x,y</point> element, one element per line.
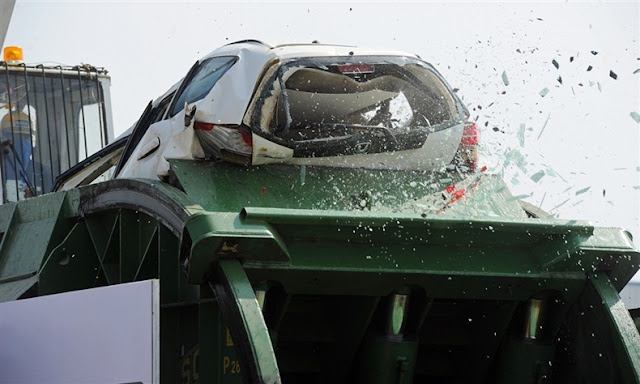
<point>229,339</point>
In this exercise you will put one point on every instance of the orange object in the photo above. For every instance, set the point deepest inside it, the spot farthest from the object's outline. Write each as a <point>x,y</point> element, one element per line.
<point>13,55</point>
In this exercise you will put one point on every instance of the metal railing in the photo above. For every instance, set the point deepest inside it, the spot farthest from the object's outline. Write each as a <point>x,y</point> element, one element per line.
<point>51,119</point>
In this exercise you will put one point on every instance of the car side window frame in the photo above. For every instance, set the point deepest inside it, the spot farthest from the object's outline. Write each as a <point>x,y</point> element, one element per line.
<point>173,109</point>
<point>136,135</point>
<point>163,108</point>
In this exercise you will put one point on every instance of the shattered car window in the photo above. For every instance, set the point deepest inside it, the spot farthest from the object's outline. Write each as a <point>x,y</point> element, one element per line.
<point>338,106</point>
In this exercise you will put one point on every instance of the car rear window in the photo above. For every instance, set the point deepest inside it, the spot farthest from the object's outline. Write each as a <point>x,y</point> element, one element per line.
<point>203,78</point>
<point>323,106</point>
<point>385,94</point>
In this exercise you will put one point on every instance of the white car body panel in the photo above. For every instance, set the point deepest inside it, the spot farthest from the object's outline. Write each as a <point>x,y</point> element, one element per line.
<point>267,152</point>
<point>227,101</point>
<point>166,139</point>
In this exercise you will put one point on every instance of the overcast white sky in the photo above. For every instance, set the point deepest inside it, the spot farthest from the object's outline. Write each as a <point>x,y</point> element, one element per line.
<point>589,139</point>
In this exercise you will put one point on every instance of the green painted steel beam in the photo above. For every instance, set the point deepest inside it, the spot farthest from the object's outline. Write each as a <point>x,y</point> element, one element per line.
<point>30,231</point>
<point>216,235</point>
<point>323,241</point>
<point>243,314</point>
<point>69,265</point>
<point>224,187</point>
<point>46,238</point>
<point>377,219</point>
<point>161,201</point>
<point>621,328</point>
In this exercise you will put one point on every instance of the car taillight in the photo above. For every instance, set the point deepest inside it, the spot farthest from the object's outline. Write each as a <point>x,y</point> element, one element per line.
<point>203,126</point>
<point>227,143</point>
<point>468,146</point>
<point>246,137</point>
<point>470,135</point>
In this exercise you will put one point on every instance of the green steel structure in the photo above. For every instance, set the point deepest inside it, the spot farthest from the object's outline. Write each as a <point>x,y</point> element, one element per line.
<point>316,275</point>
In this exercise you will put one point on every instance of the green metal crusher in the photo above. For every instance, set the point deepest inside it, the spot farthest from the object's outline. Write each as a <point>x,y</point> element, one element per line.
<point>314,275</point>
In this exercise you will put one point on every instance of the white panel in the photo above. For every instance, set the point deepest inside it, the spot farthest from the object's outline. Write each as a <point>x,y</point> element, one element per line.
<point>6,9</point>
<point>101,335</point>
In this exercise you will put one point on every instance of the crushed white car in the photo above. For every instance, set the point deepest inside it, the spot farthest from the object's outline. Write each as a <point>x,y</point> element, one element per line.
<point>310,104</point>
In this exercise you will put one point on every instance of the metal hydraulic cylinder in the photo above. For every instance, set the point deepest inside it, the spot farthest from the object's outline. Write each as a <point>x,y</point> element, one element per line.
<point>390,357</point>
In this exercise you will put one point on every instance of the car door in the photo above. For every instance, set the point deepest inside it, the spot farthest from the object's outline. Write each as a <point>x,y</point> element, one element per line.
<point>154,134</point>
<point>172,136</point>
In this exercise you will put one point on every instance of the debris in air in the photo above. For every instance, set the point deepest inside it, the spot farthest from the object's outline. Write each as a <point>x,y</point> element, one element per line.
<point>594,53</point>
<point>544,126</point>
<point>519,197</point>
<point>544,92</point>
<point>303,174</point>
<point>589,68</point>
<point>635,116</point>
<point>560,79</point>
<point>521,134</point>
<point>579,202</point>
<point>571,59</point>
<point>636,71</point>
<point>613,75</point>
<point>559,205</point>
<point>555,64</point>
<point>583,190</point>
<point>505,79</point>
<point>537,176</point>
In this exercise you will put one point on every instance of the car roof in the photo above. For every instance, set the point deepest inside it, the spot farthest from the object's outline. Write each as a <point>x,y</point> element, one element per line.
<point>294,50</point>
